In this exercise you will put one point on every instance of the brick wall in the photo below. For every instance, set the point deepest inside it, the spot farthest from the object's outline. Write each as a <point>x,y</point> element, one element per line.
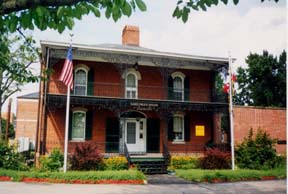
<point>26,118</point>
<point>272,120</point>
<point>108,81</point>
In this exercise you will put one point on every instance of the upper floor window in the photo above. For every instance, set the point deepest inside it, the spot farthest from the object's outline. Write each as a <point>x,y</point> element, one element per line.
<point>78,125</point>
<point>80,82</point>
<point>131,86</point>
<point>178,86</point>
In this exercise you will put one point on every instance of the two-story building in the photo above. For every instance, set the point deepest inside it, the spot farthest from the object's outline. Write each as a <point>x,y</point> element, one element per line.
<point>131,98</point>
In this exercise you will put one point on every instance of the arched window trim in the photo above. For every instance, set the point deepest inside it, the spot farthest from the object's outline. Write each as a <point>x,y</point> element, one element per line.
<point>137,77</point>
<point>79,110</point>
<point>84,68</point>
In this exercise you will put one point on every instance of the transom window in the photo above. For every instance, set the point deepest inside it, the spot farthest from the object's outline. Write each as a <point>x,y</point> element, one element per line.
<point>178,127</point>
<point>178,88</point>
<point>80,82</point>
<point>78,125</point>
<point>131,86</point>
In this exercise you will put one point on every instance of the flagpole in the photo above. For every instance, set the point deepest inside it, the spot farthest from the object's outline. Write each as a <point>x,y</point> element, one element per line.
<point>231,113</point>
<point>67,121</point>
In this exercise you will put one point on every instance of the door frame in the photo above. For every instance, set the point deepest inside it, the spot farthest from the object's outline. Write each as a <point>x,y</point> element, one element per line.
<point>140,141</point>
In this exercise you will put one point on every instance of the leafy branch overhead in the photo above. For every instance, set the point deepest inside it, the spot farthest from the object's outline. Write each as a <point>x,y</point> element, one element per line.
<point>60,14</point>
<point>184,7</point>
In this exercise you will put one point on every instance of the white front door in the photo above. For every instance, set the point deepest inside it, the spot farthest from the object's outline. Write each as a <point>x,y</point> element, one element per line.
<point>135,135</point>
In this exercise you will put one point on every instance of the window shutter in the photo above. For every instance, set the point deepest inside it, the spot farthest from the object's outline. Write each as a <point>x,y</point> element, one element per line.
<point>170,130</point>
<point>170,88</point>
<point>187,128</point>
<point>90,82</point>
<point>70,125</point>
<point>187,88</point>
<point>112,135</point>
<point>89,125</point>
<point>153,135</point>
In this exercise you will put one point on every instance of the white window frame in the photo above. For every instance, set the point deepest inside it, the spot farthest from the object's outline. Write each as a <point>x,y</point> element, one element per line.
<point>182,77</point>
<point>130,88</point>
<point>84,133</point>
<point>75,72</point>
<point>183,130</point>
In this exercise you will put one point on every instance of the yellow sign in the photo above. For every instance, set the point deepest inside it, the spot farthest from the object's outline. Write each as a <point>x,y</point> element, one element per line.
<point>200,130</point>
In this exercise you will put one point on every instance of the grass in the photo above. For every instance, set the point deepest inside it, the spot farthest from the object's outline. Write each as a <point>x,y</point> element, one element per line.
<point>199,175</point>
<point>76,175</point>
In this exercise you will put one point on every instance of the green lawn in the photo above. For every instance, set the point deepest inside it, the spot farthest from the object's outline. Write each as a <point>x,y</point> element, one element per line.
<point>73,175</point>
<point>199,175</point>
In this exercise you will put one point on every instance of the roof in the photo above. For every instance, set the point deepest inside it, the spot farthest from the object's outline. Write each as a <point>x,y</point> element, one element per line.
<point>34,95</point>
<point>149,57</point>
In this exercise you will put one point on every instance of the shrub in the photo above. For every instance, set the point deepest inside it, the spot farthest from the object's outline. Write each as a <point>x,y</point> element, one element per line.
<point>87,157</point>
<point>214,158</point>
<point>116,163</point>
<point>53,162</point>
<point>10,159</point>
<point>184,162</point>
<point>257,152</point>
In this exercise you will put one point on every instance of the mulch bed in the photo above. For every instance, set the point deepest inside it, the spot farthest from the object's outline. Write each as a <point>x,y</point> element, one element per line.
<point>49,180</point>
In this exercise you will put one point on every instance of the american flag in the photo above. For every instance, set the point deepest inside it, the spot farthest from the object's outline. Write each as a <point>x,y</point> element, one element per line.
<point>67,71</point>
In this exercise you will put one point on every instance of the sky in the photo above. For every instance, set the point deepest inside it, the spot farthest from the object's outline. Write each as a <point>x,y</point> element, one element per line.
<point>251,26</point>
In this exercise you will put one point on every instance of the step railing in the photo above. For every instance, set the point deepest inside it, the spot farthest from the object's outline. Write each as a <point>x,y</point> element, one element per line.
<point>127,155</point>
<point>166,154</point>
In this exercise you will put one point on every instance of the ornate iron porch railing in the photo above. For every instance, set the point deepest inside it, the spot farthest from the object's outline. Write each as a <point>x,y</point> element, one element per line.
<point>195,148</point>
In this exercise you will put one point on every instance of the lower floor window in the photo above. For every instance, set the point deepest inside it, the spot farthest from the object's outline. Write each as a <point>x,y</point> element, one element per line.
<point>178,127</point>
<point>78,125</point>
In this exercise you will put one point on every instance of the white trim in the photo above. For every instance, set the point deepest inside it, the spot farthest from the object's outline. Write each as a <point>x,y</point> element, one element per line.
<point>131,88</point>
<point>26,120</point>
<point>178,74</point>
<point>182,77</point>
<point>27,100</point>
<point>86,71</point>
<point>79,66</point>
<point>131,70</point>
<point>78,139</point>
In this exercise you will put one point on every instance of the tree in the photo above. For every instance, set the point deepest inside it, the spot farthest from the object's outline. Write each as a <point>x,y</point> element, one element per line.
<point>59,14</point>
<point>263,83</point>
<point>16,56</point>
<point>11,131</point>
<point>184,8</point>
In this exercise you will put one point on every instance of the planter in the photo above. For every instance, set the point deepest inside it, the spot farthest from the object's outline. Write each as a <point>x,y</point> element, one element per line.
<point>5,178</point>
<point>266,178</point>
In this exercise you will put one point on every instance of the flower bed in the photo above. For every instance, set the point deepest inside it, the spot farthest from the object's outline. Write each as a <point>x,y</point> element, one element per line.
<point>89,177</point>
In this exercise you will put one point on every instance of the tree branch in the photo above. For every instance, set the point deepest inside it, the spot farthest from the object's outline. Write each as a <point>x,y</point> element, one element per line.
<point>8,6</point>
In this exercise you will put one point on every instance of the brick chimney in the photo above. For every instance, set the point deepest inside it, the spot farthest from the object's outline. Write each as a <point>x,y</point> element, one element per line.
<point>130,36</point>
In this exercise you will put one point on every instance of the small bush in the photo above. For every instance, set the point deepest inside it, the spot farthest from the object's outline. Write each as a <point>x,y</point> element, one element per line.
<point>116,163</point>
<point>215,159</point>
<point>53,162</point>
<point>184,162</point>
<point>87,157</point>
<point>257,152</point>
<point>10,159</point>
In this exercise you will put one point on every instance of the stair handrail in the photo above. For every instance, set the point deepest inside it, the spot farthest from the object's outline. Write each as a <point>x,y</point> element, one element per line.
<point>127,155</point>
<point>166,153</point>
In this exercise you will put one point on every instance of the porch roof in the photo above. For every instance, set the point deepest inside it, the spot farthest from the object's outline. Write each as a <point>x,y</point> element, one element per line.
<point>123,54</point>
<point>121,104</point>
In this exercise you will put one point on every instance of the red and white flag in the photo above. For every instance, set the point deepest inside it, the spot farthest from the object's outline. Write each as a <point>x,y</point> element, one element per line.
<point>67,71</point>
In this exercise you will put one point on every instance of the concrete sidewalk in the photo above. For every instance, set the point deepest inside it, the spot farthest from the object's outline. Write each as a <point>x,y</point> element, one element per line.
<point>255,187</point>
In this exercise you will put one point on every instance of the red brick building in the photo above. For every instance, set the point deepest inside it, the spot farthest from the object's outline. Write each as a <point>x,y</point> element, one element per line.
<point>26,117</point>
<point>129,96</point>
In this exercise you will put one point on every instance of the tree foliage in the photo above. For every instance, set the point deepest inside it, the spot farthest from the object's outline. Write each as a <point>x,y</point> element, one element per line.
<point>184,8</point>
<point>60,14</point>
<point>263,83</point>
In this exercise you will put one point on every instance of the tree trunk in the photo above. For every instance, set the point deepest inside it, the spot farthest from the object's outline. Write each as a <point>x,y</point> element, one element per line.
<point>1,92</point>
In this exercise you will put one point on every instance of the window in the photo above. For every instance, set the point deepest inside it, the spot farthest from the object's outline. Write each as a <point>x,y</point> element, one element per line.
<point>78,125</point>
<point>178,88</point>
<point>131,86</point>
<point>178,127</point>
<point>131,132</point>
<point>80,82</point>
